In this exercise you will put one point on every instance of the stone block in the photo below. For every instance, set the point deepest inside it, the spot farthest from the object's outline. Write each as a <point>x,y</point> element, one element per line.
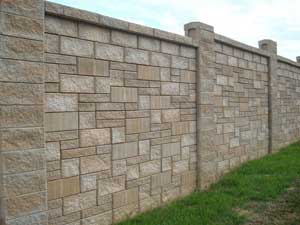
<point>124,39</point>
<point>94,98</point>
<point>133,172</point>
<point>109,52</point>
<point>87,120</point>
<point>144,102</point>
<point>56,102</point>
<point>92,137</point>
<point>70,167</point>
<point>136,56</point>
<point>155,116</point>
<point>23,49</point>
<point>51,43</point>
<point>21,139</point>
<point>122,94</point>
<point>160,102</point>
<point>118,135</point>
<point>170,115</point>
<point>160,59</point>
<point>169,48</point>
<point>52,151</point>
<point>179,128</point>
<point>125,212</point>
<point>25,161</point>
<point>56,25</point>
<point>170,149</point>
<point>76,47</point>
<point>63,187</point>
<point>80,84</point>
<point>103,84</point>
<point>95,163</point>
<point>87,66</point>
<point>21,71</point>
<point>126,197</point>
<point>150,168</point>
<point>79,202</point>
<point>170,88</point>
<point>180,62</point>
<point>149,43</point>
<point>110,115</point>
<point>138,125</point>
<point>111,185</point>
<point>61,121</point>
<point>126,150</point>
<point>21,94</point>
<point>187,51</point>
<point>148,73</point>
<point>180,166</point>
<point>21,116</point>
<point>119,167</point>
<point>88,182</point>
<point>30,8</point>
<point>144,147</point>
<point>104,219</point>
<point>161,179</point>
<point>93,33</point>
<point>188,139</point>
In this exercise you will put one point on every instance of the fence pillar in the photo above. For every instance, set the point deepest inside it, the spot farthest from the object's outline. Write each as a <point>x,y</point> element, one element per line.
<point>203,35</point>
<point>23,198</point>
<point>274,117</point>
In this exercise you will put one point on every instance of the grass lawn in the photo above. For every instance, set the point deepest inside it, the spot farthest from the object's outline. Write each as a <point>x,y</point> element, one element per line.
<point>249,195</point>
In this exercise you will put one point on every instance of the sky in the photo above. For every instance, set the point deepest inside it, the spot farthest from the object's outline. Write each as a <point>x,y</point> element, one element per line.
<point>247,21</point>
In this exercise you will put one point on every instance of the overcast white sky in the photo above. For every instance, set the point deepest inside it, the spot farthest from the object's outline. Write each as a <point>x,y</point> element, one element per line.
<point>244,20</point>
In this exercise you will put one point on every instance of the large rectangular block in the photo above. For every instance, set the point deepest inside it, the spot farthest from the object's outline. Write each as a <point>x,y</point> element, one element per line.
<point>111,185</point>
<point>170,115</point>
<point>28,8</point>
<point>138,125</point>
<point>95,163</point>
<point>126,197</point>
<point>61,121</point>
<point>57,25</point>
<point>56,102</point>
<point>169,88</point>
<point>148,73</point>
<point>93,33</point>
<point>77,47</point>
<point>126,150</point>
<point>104,219</point>
<point>161,179</point>
<point>79,202</point>
<point>150,167</point>
<point>122,94</point>
<point>136,56</point>
<point>124,39</point>
<point>92,137</point>
<point>109,52</point>
<point>170,149</point>
<point>87,66</point>
<point>73,83</point>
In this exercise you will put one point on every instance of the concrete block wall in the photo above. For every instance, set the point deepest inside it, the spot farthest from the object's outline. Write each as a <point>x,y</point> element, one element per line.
<point>102,119</point>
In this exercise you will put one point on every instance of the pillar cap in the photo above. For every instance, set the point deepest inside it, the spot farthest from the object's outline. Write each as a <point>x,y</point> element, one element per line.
<point>268,45</point>
<point>198,25</point>
<point>298,59</point>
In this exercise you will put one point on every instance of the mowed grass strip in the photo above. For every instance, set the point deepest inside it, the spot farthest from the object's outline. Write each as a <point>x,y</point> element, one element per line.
<point>260,180</point>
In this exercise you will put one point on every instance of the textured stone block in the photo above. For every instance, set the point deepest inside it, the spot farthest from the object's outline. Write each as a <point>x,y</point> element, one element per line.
<point>126,197</point>
<point>148,73</point>
<point>109,52</point>
<point>73,83</point>
<point>118,135</point>
<point>21,93</point>
<point>180,128</point>
<point>61,121</point>
<point>169,48</point>
<point>87,66</point>
<point>52,151</point>
<point>79,202</point>
<point>136,56</point>
<point>160,59</point>
<point>124,39</point>
<point>155,116</point>
<point>144,147</point>
<point>160,102</point>
<point>150,167</point>
<point>93,33</point>
<point>63,187</point>
<point>126,150</point>
<point>92,137</point>
<point>55,102</point>
<point>180,62</point>
<point>103,84</point>
<point>104,218</point>
<point>70,167</point>
<point>169,88</point>
<point>161,179</point>
<point>88,182</point>
<point>60,26</point>
<point>188,139</point>
<point>138,125</point>
<point>149,43</point>
<point>111,185</point>
<point>170,115</point>
<point>21,116</point>
<point>77,47</point>
<point>87,120</point>
<point>91,164</point>
<point>21,139</point>
<point>170,149</point>
<point>125,212</point>
<point>122,94</point>
<point>180,166</point>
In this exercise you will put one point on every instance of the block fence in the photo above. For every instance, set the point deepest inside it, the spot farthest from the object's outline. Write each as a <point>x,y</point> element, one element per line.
<point>102,119</point>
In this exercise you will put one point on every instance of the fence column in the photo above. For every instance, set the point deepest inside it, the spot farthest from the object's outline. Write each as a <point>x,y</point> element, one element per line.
<point>274,117</point>
<point>203,34</point>
<point>23,198</point>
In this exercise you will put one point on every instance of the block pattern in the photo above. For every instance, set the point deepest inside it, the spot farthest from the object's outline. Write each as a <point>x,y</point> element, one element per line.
<point>120,121</point>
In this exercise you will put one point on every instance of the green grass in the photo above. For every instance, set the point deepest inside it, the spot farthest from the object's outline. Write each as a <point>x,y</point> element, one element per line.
<point>261,180</point>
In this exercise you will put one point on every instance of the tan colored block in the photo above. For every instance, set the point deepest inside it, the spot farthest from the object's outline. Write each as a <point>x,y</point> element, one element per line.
<point>109,52</point>
<point>180,166</point>
<point>94,137</point>
<point>160,102</point>
<point>122,94</point>
<point>77,47</point>
<point>170,149</point>
<point>70,167</point>
<point>138,125</point>
<point>95,163</point>
<point>89,66</point>
<point>126,150</point>
<point>170,115</point>
<point>180,128</point>
<point>61,121</point>
<point>70,186</point>
<point>103,219</point>
<point>170,88</point>
<point>111,185</point>
<point>87,120</point>
<point>56,102</point>
<point>78,152</point>
<point>93,33</point>
<point>118,135</point>
<point>150,167</point>
<point>61,26</point>
<point>125,212</point>
<point>119,167</point>
<point>125,197</point>
<point>88,182</point>
<point>148,73</point>
<point>109,115</point>
<point>73,83</point>
<point>79,202</point>
<point>161,179</point>
<point>124,39</point>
